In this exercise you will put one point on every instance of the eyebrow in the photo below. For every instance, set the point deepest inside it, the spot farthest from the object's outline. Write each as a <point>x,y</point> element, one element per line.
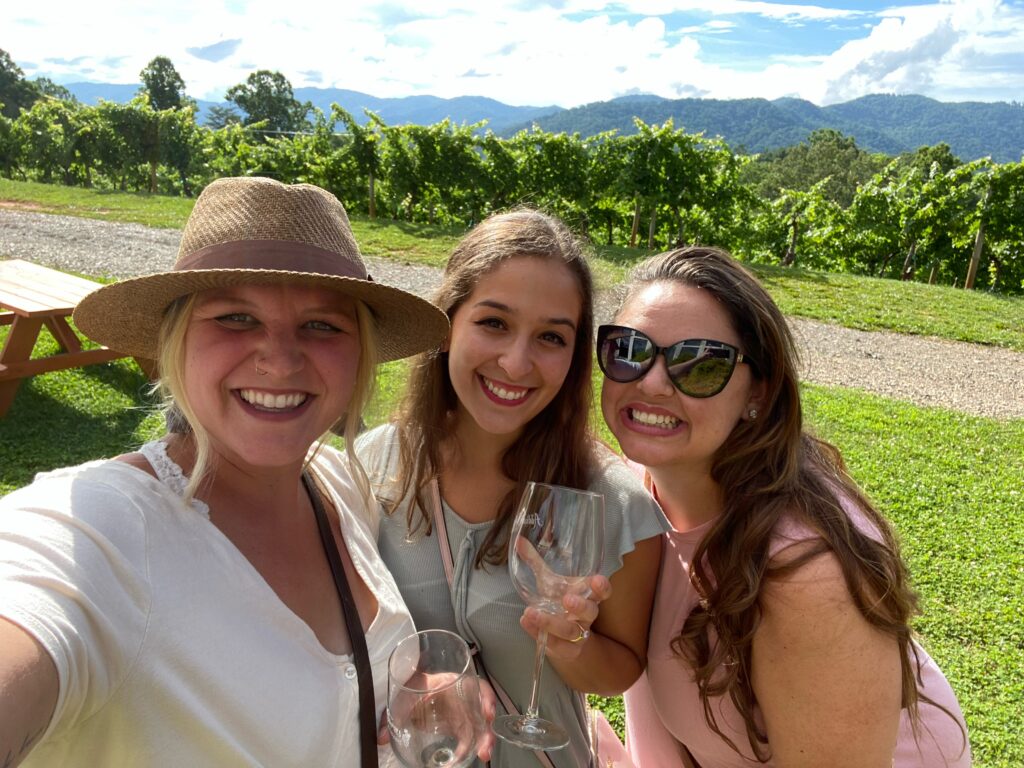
<point>506,308</point>
<point>246,305</point>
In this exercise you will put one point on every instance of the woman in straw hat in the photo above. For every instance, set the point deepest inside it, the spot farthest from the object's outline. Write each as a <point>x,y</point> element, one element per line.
<point>178,605</point>
<point>507,401</point>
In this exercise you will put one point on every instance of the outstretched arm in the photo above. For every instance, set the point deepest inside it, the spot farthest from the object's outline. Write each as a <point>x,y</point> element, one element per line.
<point>28,693</point>
<point>828,682</point>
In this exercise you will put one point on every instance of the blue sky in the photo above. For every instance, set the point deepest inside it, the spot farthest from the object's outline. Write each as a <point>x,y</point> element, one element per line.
<point>539,52</point>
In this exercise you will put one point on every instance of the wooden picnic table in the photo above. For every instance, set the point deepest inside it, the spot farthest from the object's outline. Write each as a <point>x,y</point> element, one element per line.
<point>35,297</point>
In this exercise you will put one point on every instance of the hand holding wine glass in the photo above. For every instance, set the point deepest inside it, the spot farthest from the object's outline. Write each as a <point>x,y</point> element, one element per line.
<point>434,709</point>
<point>568,630</point>
<point>555,546</point>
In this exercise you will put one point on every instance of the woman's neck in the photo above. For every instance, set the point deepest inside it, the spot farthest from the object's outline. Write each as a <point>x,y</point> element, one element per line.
<point>229,487</point>
<point>472,479</point>
<point>689,497</point>
<point>473,449</point>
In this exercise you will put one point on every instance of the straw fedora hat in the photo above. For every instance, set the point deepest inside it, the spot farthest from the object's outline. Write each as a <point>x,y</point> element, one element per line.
<point>245,231</point>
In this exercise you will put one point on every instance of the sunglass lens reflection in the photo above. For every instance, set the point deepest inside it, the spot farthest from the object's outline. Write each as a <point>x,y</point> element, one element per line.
<point>625,356</point>
<point>700,370</point>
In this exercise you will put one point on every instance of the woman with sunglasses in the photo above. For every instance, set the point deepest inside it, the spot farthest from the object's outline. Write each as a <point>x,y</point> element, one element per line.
<point>780,633</point>
<point>507,401</point>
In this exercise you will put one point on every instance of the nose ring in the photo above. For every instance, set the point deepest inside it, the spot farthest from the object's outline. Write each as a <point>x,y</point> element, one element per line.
<point>259,371</point>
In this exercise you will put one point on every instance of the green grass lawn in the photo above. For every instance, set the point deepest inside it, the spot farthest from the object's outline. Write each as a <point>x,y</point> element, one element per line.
<point>873,304</point>
<point>953,486</point>
<point>856,302</point>
<point>136,208</point>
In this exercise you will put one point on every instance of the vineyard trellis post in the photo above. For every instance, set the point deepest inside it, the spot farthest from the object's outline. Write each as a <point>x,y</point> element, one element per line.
<point>979,244</point>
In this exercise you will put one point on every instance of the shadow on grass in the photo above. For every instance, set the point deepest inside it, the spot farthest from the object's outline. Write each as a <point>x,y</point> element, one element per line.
<point>773,273</point>
<point>411,228</point>
<point>123,376</point>
<point>620,255</point>
<point>58,423</point>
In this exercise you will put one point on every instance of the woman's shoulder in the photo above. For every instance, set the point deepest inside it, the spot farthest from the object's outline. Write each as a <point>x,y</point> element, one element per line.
<point>377,449</point>
<point>108,503</point>
<point>379,435</point>
<point>73,487</point>
<point>329,461</point>
<point>612,474</point>
<point>796,529</point>
<point>351,497</point>
<point>625,496</point>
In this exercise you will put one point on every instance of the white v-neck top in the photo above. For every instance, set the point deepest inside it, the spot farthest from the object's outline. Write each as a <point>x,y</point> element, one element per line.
<point>171,649</point>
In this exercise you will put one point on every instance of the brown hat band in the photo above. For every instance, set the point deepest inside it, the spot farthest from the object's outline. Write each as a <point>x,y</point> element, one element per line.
<point>284,255</point>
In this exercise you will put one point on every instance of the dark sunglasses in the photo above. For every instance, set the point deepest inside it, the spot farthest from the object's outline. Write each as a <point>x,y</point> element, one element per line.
<point>697,367</point>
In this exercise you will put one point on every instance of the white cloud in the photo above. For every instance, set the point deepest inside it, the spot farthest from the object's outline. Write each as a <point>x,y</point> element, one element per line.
<point>926,49</point>
<point>954,49</point>
<point>565,52</point>
<point>769,10</point>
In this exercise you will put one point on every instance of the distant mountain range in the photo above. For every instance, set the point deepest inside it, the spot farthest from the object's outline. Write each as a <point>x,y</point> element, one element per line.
<point>418,110</point>
<point>426,110</point>
<point>879,123</point>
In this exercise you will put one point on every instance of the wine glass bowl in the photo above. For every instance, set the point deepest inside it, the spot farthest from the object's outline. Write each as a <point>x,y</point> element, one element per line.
<point>549,560</point>
<point>433,710</point>
<point>556,544</point>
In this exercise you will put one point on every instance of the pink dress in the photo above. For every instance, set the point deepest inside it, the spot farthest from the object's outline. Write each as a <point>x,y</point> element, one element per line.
<point>663,707</point>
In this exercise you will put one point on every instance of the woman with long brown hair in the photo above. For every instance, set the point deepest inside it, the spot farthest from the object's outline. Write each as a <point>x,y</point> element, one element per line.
<point>507,401</point>
<point>780,632</point>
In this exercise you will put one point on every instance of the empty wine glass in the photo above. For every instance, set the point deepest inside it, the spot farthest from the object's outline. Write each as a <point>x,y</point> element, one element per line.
<point>434,713</point>
<point>555,546</point>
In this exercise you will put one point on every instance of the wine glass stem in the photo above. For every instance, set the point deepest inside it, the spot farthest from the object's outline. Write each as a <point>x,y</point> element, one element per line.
<point>538,665</point>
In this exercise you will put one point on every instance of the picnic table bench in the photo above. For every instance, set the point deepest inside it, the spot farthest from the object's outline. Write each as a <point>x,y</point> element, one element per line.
<point>36,296</point>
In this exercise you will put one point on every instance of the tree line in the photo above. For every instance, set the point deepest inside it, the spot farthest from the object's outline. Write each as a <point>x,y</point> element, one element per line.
<point>823,204</point>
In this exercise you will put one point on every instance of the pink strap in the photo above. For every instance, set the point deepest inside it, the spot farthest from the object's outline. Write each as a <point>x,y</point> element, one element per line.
<point>449,571</point>
<point>442,531</point>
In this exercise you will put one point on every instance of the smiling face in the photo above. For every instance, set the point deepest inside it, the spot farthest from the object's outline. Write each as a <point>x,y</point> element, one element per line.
<point>656,424</point>
<point>306,341</point>
<point>511,344</point>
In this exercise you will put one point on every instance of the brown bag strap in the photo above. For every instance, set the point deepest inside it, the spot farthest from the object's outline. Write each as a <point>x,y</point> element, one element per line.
<point>364,672</point>
<point>441,531</point>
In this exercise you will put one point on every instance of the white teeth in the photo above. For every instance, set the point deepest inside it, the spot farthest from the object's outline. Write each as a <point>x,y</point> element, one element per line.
<point>655,419</point>
<point>505,394</point>
<point>268,401</point>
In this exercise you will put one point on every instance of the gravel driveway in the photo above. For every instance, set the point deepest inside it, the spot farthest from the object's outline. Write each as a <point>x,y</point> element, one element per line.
<point>985,381</point>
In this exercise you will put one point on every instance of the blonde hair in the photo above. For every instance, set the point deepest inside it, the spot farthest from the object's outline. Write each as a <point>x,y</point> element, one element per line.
<point>181,417</point>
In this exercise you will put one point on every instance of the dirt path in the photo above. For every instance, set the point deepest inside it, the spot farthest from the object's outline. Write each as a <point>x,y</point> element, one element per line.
<point>976,379</point>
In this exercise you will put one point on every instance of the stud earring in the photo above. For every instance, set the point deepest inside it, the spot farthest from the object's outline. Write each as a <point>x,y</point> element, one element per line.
<point>753,414</point>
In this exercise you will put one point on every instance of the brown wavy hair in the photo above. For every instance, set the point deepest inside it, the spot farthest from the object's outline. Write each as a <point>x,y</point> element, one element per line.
<point>768,469</point>
<point>426,418</point>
